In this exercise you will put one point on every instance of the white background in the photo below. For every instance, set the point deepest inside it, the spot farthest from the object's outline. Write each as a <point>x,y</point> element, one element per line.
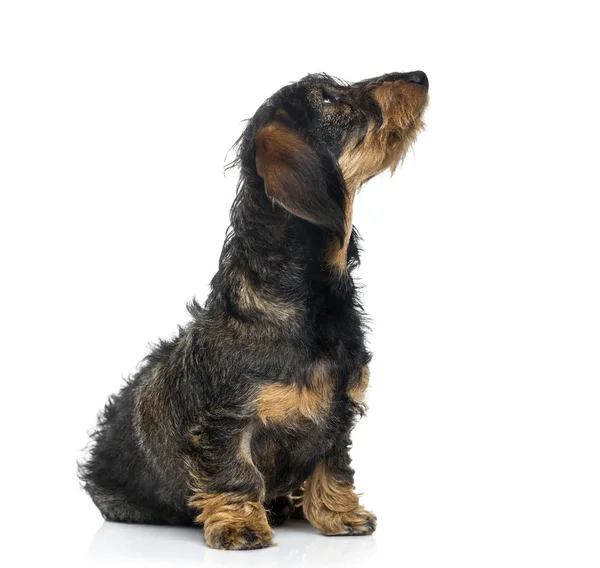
<point>480,265</point>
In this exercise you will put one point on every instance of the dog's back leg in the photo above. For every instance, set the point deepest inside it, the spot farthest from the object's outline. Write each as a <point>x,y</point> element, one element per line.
<point>117,507</point>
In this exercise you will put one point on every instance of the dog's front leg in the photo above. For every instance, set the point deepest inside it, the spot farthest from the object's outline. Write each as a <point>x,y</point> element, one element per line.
<point>227,489</point>
<point>329,501</point>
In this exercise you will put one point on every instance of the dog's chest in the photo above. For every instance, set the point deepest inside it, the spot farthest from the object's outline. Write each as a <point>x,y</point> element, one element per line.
<point>298,425</point>
<point>286,456</point>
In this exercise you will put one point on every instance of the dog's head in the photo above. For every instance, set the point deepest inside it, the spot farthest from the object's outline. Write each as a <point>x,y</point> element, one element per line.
<point>315,142</point>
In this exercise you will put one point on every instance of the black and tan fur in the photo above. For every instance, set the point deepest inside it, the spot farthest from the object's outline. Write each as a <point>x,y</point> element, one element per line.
<point>254,400</point>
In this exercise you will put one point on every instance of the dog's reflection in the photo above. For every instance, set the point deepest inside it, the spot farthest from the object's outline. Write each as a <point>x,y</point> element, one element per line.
<point>116,544</point>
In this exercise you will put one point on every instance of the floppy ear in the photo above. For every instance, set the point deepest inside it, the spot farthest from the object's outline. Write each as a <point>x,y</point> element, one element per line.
<point>300,179</point>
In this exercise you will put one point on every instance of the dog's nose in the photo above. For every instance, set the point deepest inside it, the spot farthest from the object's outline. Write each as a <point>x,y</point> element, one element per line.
<point>417,77</point>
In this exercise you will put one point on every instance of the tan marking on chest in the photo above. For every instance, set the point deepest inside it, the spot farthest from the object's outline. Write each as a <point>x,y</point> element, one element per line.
<point>358,390</point>
<point>285,403</point>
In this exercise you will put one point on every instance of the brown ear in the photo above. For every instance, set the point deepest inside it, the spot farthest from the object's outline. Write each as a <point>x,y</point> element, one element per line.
<point>300,179</point>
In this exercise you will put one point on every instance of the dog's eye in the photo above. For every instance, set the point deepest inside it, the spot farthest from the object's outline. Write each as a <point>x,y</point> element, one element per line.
<point>329,99</point>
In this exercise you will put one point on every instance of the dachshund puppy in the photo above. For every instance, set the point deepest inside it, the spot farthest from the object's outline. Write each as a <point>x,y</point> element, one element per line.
<point>254,400</point>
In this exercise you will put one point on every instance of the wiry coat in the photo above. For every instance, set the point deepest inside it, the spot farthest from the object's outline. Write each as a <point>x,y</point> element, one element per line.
<point>257,395</point>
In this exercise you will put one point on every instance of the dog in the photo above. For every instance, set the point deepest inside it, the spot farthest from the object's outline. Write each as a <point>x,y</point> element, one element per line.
<point>244,418</point>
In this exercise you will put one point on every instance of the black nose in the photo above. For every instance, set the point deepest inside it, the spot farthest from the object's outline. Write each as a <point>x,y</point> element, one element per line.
<point>417,77</point>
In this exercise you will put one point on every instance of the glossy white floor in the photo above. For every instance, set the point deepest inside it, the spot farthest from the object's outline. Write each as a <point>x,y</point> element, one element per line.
<point>89,541</point>
<point>297,545</point>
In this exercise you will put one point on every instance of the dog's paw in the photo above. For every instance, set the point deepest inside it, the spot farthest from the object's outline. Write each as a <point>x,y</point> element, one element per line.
<point>248,535</point>
<point>358,522</point>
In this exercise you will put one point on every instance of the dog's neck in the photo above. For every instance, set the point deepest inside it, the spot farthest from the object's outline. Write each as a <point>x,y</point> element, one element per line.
<point>277,263</point>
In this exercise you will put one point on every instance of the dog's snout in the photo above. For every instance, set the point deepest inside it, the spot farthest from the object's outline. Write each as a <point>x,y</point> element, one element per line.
<point>418,77</point>
<point>415,77</point>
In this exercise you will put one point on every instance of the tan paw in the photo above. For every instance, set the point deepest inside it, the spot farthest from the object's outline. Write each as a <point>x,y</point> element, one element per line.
<point>359,522</point>
<point>238,536</point>
<point>235,526</point>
